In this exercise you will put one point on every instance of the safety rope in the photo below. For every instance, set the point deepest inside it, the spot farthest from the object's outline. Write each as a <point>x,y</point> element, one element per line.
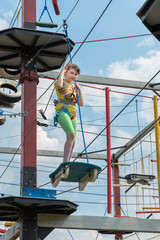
<point>45,9</point>
<point>79,108</point>
<point>65,26</point>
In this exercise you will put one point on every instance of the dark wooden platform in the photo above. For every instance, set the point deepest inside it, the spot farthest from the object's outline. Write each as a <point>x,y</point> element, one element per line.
<point>50,49</point>
<point>11,207</point>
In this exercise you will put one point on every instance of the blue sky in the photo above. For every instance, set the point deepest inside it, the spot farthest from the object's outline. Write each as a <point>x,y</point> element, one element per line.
<point>130,58</point>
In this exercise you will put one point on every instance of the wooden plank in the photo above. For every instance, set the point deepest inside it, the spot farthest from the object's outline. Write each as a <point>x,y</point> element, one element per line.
<point>12,233</point>
<point>107,224</point>
<point>49,153</point>
<point>116,82</point>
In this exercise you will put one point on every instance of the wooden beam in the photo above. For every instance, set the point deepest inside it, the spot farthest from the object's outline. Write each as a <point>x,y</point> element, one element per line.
<point>107,224</point>
<point>49,153</point>
<point>12,233</point>
<point>116,82</point>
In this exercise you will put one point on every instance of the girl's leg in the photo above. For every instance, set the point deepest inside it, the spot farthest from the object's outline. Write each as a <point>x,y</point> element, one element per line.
<point>68,147</point>
<point>74,124</point>
<point>66,123</point>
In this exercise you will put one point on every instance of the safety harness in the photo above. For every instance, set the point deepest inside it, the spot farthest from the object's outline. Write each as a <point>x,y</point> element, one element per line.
<point>70,99</point>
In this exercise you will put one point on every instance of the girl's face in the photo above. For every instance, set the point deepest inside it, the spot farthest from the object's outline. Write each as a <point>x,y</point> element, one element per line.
<point>71,75</point>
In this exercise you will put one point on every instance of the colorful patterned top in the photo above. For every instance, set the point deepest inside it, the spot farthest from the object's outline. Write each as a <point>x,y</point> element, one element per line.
<point>61,93</point>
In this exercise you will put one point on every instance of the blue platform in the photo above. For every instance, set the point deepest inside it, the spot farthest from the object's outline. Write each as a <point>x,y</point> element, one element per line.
<point>38,193</point>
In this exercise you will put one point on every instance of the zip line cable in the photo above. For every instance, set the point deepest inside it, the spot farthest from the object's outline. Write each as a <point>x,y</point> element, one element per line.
<point>40,96</point>
<point>10,162</point>
<point>70,234</point>
<point>72,10</point>
<point>15,13</point>
<point>49,101</point>
<point>92,29</point>
<point>17,18</point>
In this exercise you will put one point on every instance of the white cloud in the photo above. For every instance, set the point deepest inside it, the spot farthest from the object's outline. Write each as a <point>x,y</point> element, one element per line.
<point>91,99</point>
<point>140,69</point>
<point>146,42</point>
<point>122,134</point>
<point>45,142</point>
<point>101,71</point>
<point>8,14</point>
<point>85,235</point>
<point>3,24</point>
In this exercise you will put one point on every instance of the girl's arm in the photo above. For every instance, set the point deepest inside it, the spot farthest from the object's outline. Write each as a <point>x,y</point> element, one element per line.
<point>60,78</point>
<point>81,101</point>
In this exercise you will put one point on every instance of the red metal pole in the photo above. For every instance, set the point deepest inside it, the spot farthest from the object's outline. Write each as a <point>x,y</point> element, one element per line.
<point>108,132</point>
<point>28,13</point>
<point>28,80</point>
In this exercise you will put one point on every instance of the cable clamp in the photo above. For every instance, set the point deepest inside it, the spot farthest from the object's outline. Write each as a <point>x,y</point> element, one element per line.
<point>42,124</point>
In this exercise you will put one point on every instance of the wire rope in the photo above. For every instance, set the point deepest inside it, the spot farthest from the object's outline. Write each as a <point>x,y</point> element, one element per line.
<point>10,162</point>
<point>92,28</point>
<point>49,100</point>
<point>15,13</point>
<point>17,17</point>
<point>70,234</point>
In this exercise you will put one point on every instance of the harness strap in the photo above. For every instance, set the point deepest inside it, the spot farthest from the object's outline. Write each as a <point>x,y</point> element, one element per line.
<point>73,116</point>
<point>70,99</point>
<point>64,101</point>
<point>63,108</point>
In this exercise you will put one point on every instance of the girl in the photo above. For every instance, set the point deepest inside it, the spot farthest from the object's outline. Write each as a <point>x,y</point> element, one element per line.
<point>65,106</point>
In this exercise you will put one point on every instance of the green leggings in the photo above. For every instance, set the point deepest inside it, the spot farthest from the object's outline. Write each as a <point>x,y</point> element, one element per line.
<point>67,124</point>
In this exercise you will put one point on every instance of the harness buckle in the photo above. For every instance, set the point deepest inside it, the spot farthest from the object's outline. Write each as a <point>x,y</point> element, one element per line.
<point>55,102</point>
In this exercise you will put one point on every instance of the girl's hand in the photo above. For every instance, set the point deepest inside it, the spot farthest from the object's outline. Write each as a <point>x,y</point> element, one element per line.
<point>77,85</point>
<point>64,69</point>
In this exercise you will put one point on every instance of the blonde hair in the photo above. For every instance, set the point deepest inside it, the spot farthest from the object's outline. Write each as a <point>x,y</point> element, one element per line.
<point>74,66</point>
